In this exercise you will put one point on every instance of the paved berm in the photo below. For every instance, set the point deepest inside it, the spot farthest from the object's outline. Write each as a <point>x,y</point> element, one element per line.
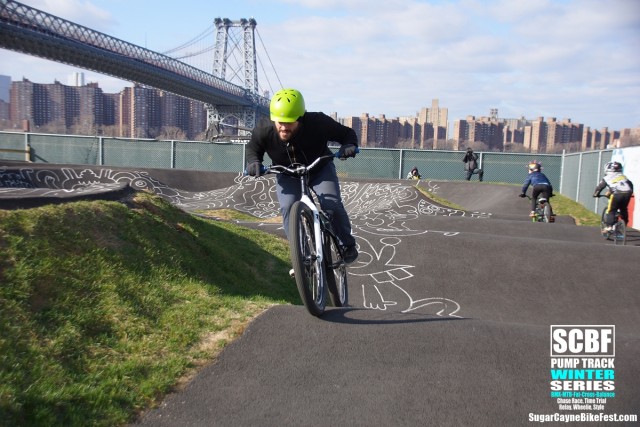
<point>450,316</point>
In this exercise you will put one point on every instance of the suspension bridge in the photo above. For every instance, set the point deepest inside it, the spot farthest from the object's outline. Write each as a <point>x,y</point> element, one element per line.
<point>35,32</point>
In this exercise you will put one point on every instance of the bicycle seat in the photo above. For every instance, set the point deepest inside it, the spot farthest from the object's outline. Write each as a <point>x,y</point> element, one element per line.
<point>542,200</point>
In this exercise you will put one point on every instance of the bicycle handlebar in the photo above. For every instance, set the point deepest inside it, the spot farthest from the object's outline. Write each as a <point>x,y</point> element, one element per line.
<point>299,168</point>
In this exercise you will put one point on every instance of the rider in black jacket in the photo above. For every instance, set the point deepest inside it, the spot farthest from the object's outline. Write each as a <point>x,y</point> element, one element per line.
<point>297,136</point>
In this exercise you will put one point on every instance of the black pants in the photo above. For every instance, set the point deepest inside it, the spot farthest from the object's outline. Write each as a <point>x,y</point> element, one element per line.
<point>540,190</point>
<point>479,171</point>
<point>618,201</point>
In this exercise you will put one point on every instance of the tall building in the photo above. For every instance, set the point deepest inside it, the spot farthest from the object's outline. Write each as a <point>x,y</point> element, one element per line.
<point>488,130</point>
<point>435,124</point>
<point>5,86</point>
<point>174,111</point>
<point>76,79</point>
<point>21,110</point>
<point>197,119</point>
<point>89,115</point>
<point>139,112</point>
<point>5,99</point>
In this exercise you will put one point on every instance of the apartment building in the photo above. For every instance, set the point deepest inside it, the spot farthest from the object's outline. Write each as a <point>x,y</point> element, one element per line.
<point>488,130</point>
<point>135,112</point>
<point>539,135</point>
<point>421,131</point>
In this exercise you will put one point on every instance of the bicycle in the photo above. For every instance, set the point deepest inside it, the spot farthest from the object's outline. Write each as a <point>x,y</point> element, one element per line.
<point>619,232</point>
<point>316,253</point>
<point>542,212</point>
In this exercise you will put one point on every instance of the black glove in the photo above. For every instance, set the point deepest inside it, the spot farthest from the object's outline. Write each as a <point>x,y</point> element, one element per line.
<point>254,169</point>
<point>523,195</point>
<point>347,150</point>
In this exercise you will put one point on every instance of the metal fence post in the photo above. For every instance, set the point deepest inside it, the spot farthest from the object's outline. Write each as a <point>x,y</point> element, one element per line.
<point>562,170</point>
<point>27,148</point>
<point>597,208</point>
<point>401,163</point>
<point>100,149</point>
<point>244,156</point>
<point>172,163</point>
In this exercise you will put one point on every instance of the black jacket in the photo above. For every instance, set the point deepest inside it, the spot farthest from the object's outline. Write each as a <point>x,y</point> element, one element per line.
<point>470,161</point>
<point>309,142</point>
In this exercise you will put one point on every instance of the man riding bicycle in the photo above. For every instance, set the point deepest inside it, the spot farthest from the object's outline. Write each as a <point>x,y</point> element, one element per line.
<point>298,136</point>
<point>540,187</point>
<point>619,191</point>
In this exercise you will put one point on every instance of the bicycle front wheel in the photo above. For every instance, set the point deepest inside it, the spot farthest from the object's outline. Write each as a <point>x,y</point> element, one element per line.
<point>336,272</point>
<point>620,233</point>
<point>308,269</point>
<point>603,225</point>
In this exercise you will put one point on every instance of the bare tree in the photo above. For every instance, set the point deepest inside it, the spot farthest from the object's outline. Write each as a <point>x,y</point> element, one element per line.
<point>172,133</point>
<point>57,126</point>
<point>516,148</point>
<point>202,136</point>
<point>475,145</point>
<point>406,143</point>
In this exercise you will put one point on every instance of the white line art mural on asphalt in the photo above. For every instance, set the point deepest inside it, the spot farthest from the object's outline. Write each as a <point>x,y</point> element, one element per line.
<point>382,214</point>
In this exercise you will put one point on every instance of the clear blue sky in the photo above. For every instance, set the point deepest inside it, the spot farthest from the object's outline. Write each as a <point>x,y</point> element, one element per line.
<point>574,59</point>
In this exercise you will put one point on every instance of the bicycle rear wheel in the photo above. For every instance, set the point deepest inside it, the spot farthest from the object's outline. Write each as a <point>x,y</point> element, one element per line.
<point>336,272</point>
<point>546,213</point>
<point>308,269</point>
<point>620,233</point>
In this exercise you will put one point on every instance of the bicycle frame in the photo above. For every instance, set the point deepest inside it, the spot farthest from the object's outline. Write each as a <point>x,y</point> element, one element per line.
<point>307,199</point>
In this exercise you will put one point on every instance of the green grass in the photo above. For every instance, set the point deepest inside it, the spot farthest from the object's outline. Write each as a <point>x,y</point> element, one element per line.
<point>564,206</point>
<point>104,306</point>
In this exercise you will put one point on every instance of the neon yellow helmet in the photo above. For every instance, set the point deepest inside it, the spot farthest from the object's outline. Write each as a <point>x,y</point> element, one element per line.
<point>287,106</point>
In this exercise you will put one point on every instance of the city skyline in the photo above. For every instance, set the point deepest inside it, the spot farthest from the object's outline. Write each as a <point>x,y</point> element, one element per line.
<point>570,59</point>
<point>143,112</point>
<point>79,77</point>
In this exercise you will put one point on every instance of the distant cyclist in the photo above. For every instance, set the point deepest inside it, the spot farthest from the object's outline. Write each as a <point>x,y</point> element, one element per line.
<point>298,136</point>
<point>414,174</point>
<point>619,191</point>
<point>540,187</point>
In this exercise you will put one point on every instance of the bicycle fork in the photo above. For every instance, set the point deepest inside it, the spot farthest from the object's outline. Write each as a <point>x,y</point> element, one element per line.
<point>317,231</point>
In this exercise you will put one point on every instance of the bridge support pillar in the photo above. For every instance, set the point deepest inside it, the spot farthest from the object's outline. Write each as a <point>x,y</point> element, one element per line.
<point>229,120</point>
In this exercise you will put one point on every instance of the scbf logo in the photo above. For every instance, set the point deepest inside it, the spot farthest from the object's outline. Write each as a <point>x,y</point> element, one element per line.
<point>583,340</point>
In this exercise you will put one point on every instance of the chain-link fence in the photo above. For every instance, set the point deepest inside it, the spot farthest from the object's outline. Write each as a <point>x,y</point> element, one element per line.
<point>582,172</point>
<point>573,175</point>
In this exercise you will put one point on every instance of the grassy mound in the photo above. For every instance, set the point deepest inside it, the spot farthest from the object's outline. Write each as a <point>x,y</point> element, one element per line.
<point>104,306</point>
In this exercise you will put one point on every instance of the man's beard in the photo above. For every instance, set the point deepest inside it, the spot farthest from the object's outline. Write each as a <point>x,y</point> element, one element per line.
<point>287,135</point>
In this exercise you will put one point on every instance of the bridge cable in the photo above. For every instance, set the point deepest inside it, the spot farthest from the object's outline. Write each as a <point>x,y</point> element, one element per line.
<point>196,39</point>
<point>268,57</point>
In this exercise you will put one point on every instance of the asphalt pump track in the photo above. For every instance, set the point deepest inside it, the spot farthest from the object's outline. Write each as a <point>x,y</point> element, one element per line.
<point>451,309</point>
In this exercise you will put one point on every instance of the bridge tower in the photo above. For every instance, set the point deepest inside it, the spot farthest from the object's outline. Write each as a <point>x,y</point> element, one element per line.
<point>231,37</point>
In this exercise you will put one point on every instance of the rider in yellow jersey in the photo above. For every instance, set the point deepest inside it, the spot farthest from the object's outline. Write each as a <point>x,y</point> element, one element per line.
<point>619,191</point>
